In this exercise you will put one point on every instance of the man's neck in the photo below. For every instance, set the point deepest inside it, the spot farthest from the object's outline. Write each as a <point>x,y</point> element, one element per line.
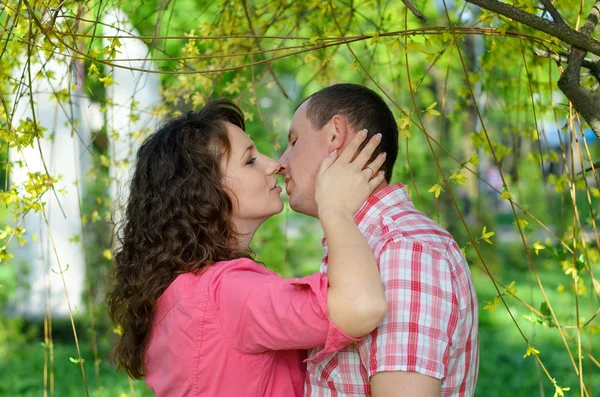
<point>380,187</point>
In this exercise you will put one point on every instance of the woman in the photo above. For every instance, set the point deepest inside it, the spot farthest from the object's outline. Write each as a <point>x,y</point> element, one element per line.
<point>198,316</point>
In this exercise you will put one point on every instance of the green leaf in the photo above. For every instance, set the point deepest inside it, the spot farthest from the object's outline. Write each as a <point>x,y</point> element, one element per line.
<point>544,309</point>
<point>458,177</point>
<point>107,80</point>
<point>531,351</point>
<point>436,190</point>
<point>537,247</point>
<point>375,39</point>
<point>492,305</point>
<point>485,235</point>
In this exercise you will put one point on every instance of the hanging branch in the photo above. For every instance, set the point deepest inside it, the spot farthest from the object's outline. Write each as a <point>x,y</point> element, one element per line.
<point>585,102</point>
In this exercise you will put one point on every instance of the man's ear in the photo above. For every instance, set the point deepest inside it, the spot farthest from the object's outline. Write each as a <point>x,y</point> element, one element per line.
<point>339,133</point>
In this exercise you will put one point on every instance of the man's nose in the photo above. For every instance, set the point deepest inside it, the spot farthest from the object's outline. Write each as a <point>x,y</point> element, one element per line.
<point>283,163</point>
<point>281,170</point>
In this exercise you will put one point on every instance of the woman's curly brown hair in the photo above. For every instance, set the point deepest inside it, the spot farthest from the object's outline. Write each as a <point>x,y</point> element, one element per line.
<point>177,220</point>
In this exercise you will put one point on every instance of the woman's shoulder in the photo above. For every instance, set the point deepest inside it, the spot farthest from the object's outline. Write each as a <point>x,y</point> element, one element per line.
<point>239,265</point>
<point>236,272</point>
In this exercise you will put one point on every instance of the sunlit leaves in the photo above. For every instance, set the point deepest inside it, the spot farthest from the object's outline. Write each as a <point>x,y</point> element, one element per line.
<point>458,177</point>
<point>558,390</point>
<point>198,100</point>
<point>511,290</point>
<point>531,351</point>
<point>5,255</point>
<point>234,86</point>
<point>404,127</point>
<point>493,305</point>
<point>111,50</point>
<point>474,160</point>
<point>431,111</point>
<point>522,223</point>
<point>485,235</point>
<point>498,79</point>
<point>537,247</point>
<point>544,317</point>
<point>76,360</point>
<point>24,135</point>
<point>61,96</point>
<point>93,69</point>
<point>560,182</point>
<point>107,81</point>
<point>376,39</point>
<point>436,190</point>
<point>447,36</point>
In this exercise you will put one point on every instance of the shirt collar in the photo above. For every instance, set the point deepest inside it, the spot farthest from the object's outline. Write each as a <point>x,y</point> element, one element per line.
<point>374,206</point>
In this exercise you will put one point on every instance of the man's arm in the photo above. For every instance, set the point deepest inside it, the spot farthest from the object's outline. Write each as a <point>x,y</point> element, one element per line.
<point>400,383</point>
<point>413,341</point>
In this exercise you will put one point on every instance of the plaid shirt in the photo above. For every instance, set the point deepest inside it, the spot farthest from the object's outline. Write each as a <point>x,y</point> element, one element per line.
<point>431,325</point>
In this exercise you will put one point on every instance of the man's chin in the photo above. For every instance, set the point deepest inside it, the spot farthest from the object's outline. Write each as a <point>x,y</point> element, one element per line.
<point>300,207</point>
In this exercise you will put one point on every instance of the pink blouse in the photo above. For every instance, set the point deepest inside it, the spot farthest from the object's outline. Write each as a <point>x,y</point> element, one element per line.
<point>238,329</point>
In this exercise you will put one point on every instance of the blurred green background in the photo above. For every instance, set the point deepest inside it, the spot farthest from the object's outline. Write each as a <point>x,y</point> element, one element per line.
<point>473,104</point>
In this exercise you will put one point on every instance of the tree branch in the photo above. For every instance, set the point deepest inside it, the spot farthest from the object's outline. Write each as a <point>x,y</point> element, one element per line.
<point>556,17</point>
<point>414,10</point>
<point>583,100</point>
<point>563,57</point>
<point>560,31</point>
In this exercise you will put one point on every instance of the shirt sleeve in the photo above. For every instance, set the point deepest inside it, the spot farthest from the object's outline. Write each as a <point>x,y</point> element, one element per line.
<point>416,334</point>
<point>260,312</point>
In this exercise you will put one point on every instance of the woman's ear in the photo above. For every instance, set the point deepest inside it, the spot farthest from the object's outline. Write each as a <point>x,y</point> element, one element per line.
<point>339,132</point>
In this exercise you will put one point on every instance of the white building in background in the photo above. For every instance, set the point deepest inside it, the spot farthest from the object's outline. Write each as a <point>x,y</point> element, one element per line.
<point>63,151</point>
<point>133,96</point>
<point>55,262</point>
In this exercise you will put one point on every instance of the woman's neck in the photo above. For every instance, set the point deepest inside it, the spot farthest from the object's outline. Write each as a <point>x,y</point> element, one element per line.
<point>245,232</point>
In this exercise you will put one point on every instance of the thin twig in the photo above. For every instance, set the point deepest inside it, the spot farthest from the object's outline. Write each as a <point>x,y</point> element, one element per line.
<point>414,10</point>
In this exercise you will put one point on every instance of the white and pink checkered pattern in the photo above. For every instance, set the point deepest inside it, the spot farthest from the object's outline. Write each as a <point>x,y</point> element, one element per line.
<point>431,325</point>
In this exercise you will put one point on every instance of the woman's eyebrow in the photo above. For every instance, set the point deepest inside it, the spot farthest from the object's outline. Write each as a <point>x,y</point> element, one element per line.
<point>248,148</point>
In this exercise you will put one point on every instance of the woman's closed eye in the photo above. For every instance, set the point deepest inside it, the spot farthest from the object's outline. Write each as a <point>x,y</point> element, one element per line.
<point>251,161</point>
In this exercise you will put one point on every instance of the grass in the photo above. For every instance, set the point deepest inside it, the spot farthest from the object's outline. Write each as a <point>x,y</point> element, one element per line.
<point>503,371</point>
<point>22,374</point>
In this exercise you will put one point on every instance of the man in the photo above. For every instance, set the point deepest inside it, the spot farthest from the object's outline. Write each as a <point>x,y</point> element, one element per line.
<point>427,345</point>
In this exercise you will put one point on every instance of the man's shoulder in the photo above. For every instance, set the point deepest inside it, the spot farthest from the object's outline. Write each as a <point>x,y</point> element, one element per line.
<point>405,222</point>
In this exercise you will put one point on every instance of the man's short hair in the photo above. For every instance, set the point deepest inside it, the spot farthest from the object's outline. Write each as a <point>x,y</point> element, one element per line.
<point>362,108</point>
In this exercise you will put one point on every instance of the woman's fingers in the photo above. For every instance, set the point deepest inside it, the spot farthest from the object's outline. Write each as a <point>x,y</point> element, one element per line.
<point>376,180</point>
<point>327,162</point>
<point>366,153</point>
<point>351,150</point>
<point>375,165</point>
